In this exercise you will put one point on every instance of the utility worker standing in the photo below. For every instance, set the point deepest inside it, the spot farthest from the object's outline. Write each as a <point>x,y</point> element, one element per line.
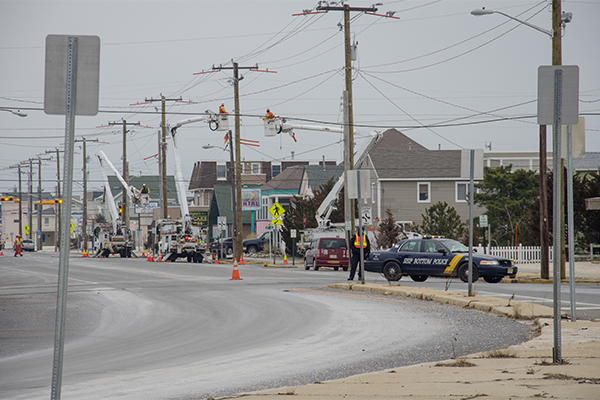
<point>355,246</point>
<point>144,190</point>
<point>18,244</point>
<point>269,115</point>
<point>222,109</point>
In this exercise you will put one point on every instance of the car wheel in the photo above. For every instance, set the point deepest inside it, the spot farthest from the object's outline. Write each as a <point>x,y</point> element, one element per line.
<point>493,279</point>
<point>345,268</point>
<point>392,271</point>
<point>229,251</point>
<point>463,273</point>
<point>419,278</point>
<point>336,268</point>
<point>251,250</point>
<point>315,267</point>
<point>189,258</point>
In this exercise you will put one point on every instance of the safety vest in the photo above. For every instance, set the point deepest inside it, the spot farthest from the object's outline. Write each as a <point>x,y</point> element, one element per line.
<point>222,110</point>
<point>357,241</point>
<point>19,242</point>
<point>144,190</point>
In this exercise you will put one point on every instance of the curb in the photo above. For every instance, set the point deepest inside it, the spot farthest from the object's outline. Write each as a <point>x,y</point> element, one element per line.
<point>508,308</point>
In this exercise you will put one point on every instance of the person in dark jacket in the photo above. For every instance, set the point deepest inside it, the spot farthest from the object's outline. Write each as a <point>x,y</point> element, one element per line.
<point>355,245</point>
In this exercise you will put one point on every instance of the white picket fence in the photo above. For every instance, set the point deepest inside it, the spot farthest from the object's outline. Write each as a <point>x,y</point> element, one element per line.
<point>521,254</point>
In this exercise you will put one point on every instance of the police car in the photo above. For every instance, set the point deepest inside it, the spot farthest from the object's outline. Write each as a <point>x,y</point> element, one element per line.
<point>422,258</point>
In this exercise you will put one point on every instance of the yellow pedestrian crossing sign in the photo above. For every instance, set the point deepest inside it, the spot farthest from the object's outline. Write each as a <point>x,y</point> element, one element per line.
<point>276,211</point>
<point>275,222</point>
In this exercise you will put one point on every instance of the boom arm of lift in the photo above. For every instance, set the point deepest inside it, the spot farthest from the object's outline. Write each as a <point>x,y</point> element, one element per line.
<point>111,200</point>
<point>325,209</point>
<point>132,192</point>
<point>179,181</point>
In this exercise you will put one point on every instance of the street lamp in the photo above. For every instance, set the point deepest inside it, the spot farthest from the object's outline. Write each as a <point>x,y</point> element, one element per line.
<point>483,11</point>
<point>559,19</point>
<point>18,112</point>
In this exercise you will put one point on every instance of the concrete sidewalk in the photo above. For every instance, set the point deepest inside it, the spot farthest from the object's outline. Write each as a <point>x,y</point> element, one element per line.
<point>521,371</point>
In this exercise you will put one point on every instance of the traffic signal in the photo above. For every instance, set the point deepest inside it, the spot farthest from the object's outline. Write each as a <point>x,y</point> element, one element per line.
<point>8,198</point>
<point>120,209</point>
<point>57,201</point>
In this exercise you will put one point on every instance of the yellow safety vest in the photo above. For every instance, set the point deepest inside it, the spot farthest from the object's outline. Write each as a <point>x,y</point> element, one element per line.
<point>357,241</point>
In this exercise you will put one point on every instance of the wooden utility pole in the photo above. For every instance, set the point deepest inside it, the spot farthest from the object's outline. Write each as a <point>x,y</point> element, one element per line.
<point>84,234</point>
<point>162,150</point>
<point>238,227</point>
<point>125,217</point>
<point>349,204</point>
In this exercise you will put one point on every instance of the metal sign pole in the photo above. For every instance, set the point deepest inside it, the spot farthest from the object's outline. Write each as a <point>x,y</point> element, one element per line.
<point>472,173</point>
<point>570,224</point>
<point>65,245</point>
<point>558,79</point>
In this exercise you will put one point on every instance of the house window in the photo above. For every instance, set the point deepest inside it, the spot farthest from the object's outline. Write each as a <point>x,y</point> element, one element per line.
<point>255,168</point>
<point>46,220</point>
<point>221,172</point>
<point>461,191</point>
<point>275,170</point>
<point>423,192</point>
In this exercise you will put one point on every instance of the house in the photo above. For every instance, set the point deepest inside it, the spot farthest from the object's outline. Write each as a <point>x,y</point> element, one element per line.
<point>407,178</point>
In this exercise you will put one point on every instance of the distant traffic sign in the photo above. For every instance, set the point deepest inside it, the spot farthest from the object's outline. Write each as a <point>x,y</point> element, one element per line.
<point>275,222</point>
<point>276,210</point>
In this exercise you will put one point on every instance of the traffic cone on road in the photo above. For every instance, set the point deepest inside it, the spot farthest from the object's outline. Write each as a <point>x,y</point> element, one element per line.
<point>242,259</point>
<point>285,258</point>
<point>1,253</point>
<point>216,258</point>
<point>159,259</point>
<point>235,276</point>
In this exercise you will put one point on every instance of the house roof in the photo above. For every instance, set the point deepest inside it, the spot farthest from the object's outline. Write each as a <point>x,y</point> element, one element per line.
<point>204,175</point>
<point>396,140</point>
<point>287,181</point>
<point>416,164</point>
<point>317,175</point>
<point>589,162</point>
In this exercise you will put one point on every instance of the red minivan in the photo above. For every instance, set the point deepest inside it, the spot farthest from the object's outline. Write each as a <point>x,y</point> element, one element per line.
<point>327,252</point>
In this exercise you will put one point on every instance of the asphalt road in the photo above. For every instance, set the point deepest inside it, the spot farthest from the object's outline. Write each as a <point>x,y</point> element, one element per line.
<point>587,295</point>
<point>139,330</point>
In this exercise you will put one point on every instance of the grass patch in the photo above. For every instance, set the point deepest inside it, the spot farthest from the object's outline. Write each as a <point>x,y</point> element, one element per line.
<point>461,362</point>
<point>499,354</point>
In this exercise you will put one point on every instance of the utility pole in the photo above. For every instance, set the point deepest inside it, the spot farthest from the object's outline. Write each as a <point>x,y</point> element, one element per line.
<point>238,226</point>
<point>59,205</point>
<point>162,149</point>
<point>39,222</point>
<point>125,217</point>
<point>30,189</point>
<point>349,204</point>
<point>20,205</point>
<point>84,216</point>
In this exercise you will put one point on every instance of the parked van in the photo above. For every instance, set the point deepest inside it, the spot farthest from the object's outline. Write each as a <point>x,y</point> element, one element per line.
<point>329,252</point>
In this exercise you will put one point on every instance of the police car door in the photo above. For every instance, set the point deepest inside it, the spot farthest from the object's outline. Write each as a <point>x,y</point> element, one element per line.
<point>410,254</point>
<point>436,255</point>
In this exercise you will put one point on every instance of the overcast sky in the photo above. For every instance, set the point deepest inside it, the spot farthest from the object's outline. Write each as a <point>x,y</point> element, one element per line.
<point>436,64</point>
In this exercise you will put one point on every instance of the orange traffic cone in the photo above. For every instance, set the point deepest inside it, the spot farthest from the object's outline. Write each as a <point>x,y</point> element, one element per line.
<point>159,259</point>
<point>235,276</point>
<point>285,258</point>
<point>242,259</point>
<point>216,258</point>
<point>151,258</point>
<point>1,253</point>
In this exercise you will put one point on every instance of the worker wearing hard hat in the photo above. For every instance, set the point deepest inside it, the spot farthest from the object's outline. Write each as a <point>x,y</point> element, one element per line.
<point>18,244</point>
<point>222,109</point>
<point>144,190</point>
<point>269,115</point>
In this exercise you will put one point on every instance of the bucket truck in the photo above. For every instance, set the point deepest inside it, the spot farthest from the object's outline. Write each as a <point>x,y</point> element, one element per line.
<point>110,239</point>
<point>180,238</point>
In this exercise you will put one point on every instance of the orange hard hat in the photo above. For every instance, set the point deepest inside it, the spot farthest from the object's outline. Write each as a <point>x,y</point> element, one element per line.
<point>268,110</point>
